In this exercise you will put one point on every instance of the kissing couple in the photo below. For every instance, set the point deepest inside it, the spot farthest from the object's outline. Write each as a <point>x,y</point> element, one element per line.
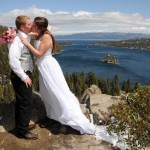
<point>60,103</point>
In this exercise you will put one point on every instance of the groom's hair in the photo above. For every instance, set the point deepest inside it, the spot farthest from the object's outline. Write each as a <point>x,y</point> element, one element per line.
<point>21,20</point>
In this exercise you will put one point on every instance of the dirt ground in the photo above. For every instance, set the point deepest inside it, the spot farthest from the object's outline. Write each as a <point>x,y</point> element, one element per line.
<point>54,137</point>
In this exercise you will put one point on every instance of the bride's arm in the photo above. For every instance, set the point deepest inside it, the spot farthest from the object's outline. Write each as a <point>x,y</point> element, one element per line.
<point>46,43</point>
<point>33,35</point>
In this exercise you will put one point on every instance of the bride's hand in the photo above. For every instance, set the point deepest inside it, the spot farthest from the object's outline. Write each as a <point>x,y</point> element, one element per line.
<point>23,40</point>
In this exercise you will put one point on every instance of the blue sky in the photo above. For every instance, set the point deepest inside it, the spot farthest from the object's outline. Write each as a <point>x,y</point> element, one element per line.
<point>74,16</point>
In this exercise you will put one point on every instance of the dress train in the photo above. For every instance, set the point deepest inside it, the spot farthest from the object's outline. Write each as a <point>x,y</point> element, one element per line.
<point>61,104</point>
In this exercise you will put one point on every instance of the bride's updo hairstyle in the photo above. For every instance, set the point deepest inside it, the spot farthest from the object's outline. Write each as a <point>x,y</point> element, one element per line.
<point>42,24</point>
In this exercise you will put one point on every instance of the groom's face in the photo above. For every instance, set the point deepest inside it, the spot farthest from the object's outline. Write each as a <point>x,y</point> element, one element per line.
<point>27,26</point>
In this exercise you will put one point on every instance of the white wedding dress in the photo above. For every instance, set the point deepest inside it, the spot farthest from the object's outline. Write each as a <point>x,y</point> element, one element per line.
<point>61,104</point>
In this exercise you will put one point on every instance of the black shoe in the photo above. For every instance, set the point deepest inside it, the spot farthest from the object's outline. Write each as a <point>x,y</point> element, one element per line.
<point>31,126</point>
<point>42,125</point>
<point>46,123</point>
<point>29,136</point>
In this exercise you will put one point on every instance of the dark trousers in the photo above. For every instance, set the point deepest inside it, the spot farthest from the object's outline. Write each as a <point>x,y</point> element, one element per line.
<point>24,103</point>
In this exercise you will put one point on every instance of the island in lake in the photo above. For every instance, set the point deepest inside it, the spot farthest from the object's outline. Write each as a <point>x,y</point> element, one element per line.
<point>111,59</point>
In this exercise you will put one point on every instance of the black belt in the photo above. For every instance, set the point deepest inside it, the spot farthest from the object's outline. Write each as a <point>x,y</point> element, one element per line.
<point>28,72</point>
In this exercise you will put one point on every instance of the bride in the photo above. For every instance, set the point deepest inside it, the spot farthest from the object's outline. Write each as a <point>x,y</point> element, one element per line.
<point>61,104</point>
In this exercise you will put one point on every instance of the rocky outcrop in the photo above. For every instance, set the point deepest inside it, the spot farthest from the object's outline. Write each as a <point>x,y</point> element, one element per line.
<point>93,89</point>
<point>99,104</point>
<point>100,107</point>
<point>50,140</point>
<point>7,113</point>
<point>7,117</point>
<point>55,136</point>
<point>93,102</point>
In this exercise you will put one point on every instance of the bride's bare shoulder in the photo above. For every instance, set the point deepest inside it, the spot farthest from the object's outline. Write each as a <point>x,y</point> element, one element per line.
<point>46,37</point>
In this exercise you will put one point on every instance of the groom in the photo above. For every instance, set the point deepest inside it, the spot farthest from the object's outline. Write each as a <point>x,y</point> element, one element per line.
<point>21,63</point>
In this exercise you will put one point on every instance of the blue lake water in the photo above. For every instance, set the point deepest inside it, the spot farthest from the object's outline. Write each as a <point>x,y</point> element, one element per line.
<point>81,56</point>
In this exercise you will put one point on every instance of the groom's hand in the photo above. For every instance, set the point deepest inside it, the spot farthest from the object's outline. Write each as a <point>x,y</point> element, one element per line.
<point>28,81</point>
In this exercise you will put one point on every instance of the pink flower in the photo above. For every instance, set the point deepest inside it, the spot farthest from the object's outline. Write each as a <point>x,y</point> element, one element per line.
<point>8,36</point>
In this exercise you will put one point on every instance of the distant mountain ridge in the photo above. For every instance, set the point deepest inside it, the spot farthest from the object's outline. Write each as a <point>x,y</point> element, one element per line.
<point>103,36</point>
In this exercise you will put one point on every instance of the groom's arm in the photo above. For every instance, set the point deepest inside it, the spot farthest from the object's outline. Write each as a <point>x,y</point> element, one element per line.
<point>14,56</point>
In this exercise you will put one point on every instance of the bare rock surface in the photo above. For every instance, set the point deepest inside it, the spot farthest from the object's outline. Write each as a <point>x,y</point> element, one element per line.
<point>100,105</point>
<point>53,138</point>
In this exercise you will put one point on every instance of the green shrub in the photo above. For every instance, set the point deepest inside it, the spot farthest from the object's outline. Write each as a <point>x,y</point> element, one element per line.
<point>132,118</point>
<point>6,93</point>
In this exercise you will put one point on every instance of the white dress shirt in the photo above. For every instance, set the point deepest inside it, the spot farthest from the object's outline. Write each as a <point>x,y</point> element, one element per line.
<point>15,54</point>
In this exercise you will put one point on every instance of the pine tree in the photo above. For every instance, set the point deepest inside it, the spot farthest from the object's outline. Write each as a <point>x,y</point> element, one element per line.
<point>124,86</point>
<point>69,80</point>
<point>107,86</point>
<point>92,79</point>
<point>115,90</point>
<point>129,88</point>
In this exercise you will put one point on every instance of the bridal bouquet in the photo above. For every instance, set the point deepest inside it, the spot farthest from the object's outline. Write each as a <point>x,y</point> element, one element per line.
<point>7,36</point>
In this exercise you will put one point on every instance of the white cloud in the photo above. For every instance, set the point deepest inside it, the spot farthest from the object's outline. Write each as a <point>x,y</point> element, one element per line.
<point>82,14</point>
<point>82,21</point>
